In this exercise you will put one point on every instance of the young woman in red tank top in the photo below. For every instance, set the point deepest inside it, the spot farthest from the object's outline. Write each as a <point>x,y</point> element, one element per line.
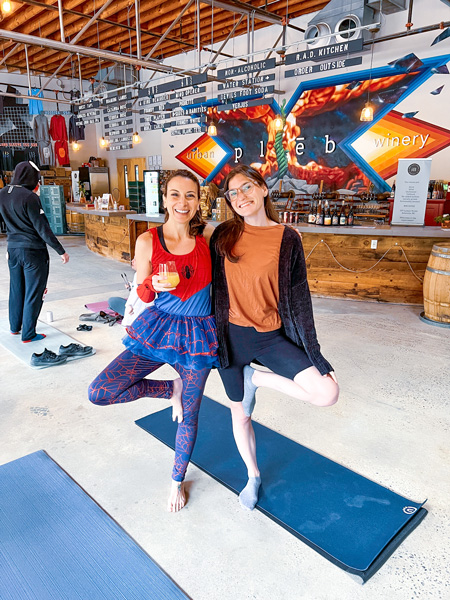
<point>178,329</point>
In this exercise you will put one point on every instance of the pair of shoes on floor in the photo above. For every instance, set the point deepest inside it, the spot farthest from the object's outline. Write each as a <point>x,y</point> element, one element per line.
<point>47,358</point>
<point>75,350</point>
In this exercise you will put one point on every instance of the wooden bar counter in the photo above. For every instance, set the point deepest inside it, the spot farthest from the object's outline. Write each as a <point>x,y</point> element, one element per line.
<point>107,232</point>
<point>389,280</point>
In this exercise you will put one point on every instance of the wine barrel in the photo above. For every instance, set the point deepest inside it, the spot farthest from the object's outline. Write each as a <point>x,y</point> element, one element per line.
<point>436,285</point>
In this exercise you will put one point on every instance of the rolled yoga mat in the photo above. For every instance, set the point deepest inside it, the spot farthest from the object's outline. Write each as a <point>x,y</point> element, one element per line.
<point>352,521</point>
<point>57,543</point>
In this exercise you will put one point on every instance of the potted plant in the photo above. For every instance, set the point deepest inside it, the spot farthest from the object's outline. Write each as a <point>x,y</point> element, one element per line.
<point>444,220</point>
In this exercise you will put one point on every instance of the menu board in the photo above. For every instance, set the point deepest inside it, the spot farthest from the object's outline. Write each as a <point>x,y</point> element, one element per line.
<point>411,188</point>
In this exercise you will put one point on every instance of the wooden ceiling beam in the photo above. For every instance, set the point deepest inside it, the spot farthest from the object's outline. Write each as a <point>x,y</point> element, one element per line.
<point>110,37</point>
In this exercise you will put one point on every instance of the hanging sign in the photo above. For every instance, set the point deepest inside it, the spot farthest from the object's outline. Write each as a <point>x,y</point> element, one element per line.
<point>119,123</point>
<point>411,191</point>
<point>89,105</point>
<point>340,63</point>
<point>120,147</point>
<point>113,109</point>
<point>260,65</point>
<point>114,100</point>
<point>170,86</point>
<point>118,132</point>
<point>245,104</point>
<point>257,91</point>
<point>259,79</point>
<point>323,52</point>
<point>188,130</point>
<point>119,115</point>
<point>92,113</point>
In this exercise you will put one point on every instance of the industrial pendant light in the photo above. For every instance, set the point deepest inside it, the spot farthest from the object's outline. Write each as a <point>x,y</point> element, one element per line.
<point>6,6</point>
<point>367,111</point>
<point>103,142</point>
<point>75,146</point>
<point>212,129</point>
<point>136,138</point>
<point>279,125</point>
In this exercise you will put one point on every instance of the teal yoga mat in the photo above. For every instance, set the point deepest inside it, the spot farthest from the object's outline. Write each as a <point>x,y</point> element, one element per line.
<point>352,521</point>
<point>57,543</point>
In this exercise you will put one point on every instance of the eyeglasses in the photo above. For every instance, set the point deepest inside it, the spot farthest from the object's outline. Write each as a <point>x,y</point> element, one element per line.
<point>245,189</point>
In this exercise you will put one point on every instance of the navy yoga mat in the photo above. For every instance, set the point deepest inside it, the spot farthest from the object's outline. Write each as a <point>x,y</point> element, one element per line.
<point>350,520</point>
<point>56,543</point>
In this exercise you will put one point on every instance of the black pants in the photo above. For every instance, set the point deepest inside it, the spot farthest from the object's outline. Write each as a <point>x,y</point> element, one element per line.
<point>28,269</point>
<point>270,348</point>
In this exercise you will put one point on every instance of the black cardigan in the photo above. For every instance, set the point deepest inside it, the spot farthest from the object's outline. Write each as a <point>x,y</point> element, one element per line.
<point>294,306</point>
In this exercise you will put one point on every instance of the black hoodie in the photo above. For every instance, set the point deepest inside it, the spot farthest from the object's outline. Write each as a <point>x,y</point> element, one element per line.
<point>21,209</point>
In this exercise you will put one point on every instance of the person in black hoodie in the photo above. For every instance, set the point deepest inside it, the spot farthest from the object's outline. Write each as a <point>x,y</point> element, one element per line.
<point>28,232</point>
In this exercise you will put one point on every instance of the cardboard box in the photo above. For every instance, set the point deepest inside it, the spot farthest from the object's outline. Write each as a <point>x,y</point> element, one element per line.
<point>49,173</point>
<point>60,172</point>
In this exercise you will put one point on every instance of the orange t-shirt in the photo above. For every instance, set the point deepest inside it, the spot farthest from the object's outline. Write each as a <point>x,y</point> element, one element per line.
<point>253,280</point>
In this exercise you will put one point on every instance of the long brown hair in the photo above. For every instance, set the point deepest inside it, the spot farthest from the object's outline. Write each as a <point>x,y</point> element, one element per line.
<point>196,224</point>
<point>232,230</point>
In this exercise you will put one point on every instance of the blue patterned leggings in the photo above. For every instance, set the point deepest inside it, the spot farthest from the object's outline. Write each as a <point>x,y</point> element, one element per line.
<point>123,381</point>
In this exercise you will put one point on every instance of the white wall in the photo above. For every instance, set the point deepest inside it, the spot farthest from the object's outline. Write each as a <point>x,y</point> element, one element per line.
<point>426,12</point>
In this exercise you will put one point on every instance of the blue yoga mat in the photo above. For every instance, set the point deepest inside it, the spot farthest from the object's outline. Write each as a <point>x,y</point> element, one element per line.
<point>354,522</point>
<point>56,543</point>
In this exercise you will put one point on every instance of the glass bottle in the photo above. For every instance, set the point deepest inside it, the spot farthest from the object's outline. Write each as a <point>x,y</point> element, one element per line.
<point>319,214</point>
<point>335,216</point>
<point>327,214</point>
<point>342,215</point>
<point>350,217</point>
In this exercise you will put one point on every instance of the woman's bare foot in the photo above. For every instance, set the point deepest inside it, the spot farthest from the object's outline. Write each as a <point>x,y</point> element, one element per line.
<point>177,498</point>
<point>177,410</point>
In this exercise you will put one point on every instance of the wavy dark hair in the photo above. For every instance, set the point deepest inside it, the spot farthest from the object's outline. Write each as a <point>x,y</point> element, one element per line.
<point>231,230</point>
<point>196,224</point>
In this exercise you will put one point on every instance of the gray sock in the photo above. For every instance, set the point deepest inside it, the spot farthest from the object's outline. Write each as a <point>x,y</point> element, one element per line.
<point>249,399</point>
<point>249,495</point>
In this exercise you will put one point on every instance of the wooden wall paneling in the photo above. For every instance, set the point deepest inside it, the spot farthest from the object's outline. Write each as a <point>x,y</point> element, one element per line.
<point>389,281</point>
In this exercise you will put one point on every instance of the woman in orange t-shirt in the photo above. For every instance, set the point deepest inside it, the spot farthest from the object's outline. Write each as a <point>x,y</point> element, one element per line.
<point>263,312</point>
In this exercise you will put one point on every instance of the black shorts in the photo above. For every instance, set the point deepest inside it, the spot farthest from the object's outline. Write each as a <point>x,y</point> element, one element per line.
<point>271,348</point>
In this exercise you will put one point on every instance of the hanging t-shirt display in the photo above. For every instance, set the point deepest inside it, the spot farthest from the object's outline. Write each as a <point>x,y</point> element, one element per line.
<point>42,137</point>
<point>58,131</point>
<point>35,106</point>
<point>76,132</point>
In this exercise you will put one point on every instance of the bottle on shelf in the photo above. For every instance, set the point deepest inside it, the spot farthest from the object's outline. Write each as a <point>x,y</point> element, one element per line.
<point>350,217</point>
<point>319,214</point>
<point>335,216</point>
<point>327,214</point>
<point>392,190</point>
<point>342,215</point>
<point>311,214</point>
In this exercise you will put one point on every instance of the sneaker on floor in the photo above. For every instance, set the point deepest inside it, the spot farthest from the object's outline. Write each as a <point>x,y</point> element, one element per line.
<point>47,359</point>
<point>15,332</point>
<point>37,337</point>
<point>75,350</point>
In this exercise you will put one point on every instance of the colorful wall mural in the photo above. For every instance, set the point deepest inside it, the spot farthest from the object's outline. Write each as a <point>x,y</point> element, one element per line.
<point>323,138</point>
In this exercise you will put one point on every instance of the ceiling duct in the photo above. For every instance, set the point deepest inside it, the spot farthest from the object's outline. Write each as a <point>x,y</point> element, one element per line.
<point>388,7</point>
<point>337,20</point>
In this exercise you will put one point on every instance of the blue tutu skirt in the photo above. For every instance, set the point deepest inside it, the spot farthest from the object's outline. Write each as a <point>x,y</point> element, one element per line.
<point>168,338</point>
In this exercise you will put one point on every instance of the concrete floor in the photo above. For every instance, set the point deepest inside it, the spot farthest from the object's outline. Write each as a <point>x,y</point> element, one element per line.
<point>391,425</point>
